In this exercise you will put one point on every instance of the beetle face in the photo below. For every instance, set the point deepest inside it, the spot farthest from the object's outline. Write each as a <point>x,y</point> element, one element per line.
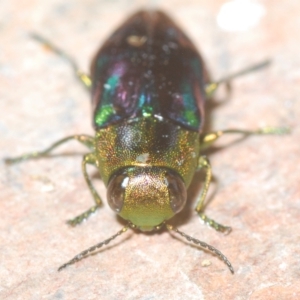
<point>146,196</point>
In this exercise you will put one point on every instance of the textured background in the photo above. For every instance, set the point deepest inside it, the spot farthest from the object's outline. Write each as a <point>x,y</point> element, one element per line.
<point>256,186</point>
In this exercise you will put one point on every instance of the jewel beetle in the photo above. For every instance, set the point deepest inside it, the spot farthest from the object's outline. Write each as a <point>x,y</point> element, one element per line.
<point>149,86</point>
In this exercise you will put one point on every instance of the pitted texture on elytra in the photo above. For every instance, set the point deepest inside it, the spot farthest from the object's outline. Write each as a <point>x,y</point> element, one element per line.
<point>147,142</point>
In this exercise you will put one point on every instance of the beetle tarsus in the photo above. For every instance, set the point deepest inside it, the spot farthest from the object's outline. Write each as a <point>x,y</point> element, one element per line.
<point>79,219</point>
<point>215,225</point>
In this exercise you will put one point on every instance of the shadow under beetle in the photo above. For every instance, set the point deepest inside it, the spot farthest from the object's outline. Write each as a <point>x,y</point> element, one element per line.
<point>149,87</point>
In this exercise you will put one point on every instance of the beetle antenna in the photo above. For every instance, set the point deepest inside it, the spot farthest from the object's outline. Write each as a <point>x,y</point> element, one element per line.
<point>204,245</point>
<point>93,248</point>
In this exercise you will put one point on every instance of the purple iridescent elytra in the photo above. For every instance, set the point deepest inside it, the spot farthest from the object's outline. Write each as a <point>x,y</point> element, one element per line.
<point>148,67</point>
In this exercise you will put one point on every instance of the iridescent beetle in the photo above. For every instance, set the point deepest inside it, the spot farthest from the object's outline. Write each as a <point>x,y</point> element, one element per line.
<point>149,87</point>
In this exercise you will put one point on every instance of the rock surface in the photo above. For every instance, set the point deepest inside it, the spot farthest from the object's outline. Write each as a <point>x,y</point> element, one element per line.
<point>256,186</point>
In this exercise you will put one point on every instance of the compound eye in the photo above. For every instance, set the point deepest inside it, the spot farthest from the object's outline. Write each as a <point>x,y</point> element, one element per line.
<point>177,191</point>
<point>116,192</point>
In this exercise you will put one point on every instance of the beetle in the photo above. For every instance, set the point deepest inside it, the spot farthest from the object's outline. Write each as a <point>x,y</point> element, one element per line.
<point>149,86</point>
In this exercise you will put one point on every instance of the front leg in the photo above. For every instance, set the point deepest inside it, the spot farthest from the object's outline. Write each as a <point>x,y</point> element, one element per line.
<point>89,158</point>
<point>204,163</point>
<point>206,140</point>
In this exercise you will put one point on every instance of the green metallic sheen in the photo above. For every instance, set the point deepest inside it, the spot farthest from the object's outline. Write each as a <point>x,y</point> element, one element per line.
<point>123,145</point>
<point>145,149</point>
<point>146,200</point>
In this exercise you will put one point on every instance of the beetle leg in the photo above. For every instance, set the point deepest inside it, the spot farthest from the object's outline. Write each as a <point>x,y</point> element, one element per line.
<point>87,159</point>
<point>84,78</point>
<point>86,140</point>
<point>204,163</point>
<point>206,139</point>
<point>213,86</point>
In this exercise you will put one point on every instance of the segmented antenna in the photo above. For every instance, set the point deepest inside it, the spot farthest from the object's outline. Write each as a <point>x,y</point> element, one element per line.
<point>204,245</point>
<point>93,248</point>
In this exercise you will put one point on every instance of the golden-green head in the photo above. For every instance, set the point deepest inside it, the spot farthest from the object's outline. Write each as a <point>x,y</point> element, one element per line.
<point>146,196</point>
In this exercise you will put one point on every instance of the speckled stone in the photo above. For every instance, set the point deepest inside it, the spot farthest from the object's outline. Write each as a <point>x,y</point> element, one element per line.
<point>256,185</point>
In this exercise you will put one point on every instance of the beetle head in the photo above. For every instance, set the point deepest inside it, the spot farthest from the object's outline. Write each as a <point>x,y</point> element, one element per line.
<point>146,196</point>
